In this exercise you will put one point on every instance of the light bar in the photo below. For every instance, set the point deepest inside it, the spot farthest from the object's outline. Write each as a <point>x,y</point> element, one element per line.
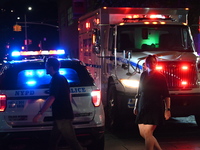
<point>134,17</point>
<point>157,16</point>
<point>35,53</point>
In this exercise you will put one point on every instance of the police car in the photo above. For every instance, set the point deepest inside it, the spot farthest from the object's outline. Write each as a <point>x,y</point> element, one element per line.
<point>24,86</point>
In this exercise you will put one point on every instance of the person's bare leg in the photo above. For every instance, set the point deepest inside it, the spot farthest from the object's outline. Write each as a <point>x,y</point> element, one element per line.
<point>146,131</point>
<point>156,144</point>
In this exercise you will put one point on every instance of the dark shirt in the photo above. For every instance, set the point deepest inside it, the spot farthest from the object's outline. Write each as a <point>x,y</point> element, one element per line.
<point>61,107</point>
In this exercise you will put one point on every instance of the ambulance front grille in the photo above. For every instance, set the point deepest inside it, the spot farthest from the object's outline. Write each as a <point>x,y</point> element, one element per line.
<point>180,75</point>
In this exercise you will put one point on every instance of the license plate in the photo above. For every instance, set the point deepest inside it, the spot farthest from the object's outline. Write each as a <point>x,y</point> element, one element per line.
<point>16,104</point>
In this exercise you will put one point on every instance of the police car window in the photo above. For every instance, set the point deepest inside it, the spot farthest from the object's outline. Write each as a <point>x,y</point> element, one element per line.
<point>39,78</point>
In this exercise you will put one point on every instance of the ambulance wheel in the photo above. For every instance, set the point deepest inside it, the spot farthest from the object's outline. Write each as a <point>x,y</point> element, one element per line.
<point>197,119</point>
<point>112,115</point>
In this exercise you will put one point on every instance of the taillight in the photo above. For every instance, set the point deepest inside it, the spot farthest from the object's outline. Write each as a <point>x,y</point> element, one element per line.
<point>96,98</point>
<point>2,102</point>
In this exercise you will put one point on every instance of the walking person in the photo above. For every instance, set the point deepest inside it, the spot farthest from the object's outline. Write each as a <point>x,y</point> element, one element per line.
<point>59,99</point>
<point>152,106</point>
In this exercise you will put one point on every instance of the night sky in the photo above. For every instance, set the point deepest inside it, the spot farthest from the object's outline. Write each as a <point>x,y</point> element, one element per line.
<point>43,11</point>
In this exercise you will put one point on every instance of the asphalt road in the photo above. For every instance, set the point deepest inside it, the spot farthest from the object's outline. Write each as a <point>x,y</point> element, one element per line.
<point>176,134</point>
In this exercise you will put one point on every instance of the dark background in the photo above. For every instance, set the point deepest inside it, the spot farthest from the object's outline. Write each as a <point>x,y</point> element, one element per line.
<point>47,12</point>
<point>43,12</point>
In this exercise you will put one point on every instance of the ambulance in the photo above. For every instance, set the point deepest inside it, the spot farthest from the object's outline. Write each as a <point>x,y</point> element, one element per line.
<point>24,87</point>
<point>113,43</point>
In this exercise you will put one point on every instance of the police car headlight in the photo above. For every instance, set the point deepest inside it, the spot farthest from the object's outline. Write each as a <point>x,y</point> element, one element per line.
<point>130,83</point>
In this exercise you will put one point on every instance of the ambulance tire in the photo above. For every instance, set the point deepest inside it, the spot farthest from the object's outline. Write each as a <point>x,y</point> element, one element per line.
<point>112,115</point>
<point>197,119</point>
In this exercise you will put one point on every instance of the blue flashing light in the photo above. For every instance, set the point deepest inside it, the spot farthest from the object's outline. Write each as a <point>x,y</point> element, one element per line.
<point>36,53</point>
<point>31,83</point>
<point>38,77</point>
<point>29,73</point>
<point>69,81</point>
<point>40,73</point>
<point>60,51</point>
<point>15,53</point>
<point>62,72</point>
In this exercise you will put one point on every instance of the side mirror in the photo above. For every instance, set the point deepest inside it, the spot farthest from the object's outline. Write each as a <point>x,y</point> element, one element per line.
<point>127,54</point>
<point>111,40</point>
<point>96,49</point>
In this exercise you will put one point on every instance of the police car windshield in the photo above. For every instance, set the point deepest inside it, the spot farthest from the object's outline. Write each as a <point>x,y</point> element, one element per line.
<point>154,38</point>
<point>39,78</point>
<point>33,75</point>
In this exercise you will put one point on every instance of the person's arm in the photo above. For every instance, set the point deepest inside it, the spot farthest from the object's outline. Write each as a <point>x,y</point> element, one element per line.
<point>135,107</point>
<point>135,111</point>
<point>47,104</point>
<point>167,108</point>
<point>167,100</point>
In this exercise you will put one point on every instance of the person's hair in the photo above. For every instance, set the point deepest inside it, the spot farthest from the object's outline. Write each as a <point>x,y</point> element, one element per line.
<point>53,62</point>
<point>148,58</point>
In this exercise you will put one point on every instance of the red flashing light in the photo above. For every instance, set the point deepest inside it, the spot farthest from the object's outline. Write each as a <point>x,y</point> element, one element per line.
<point>184,67</point>
<point>157,16</point>
<point>96,98</point>
<point>184,83</point>
<point>93,38</point>
<point>146,22</point>
<point>129,16</point>
<point>133,16</point>
<point>2,102</point>
<point>98,21</point>
<point>87,25</point>
<point>159,68</point>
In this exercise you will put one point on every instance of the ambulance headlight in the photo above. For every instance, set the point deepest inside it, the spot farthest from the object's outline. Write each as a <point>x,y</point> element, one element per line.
<point>130,83</point>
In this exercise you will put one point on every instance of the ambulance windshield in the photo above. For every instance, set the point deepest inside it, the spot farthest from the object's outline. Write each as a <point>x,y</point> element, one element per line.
<point>154,38</point>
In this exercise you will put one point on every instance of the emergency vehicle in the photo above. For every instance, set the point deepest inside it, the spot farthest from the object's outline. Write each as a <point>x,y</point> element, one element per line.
<point>24,87</point>
<point>113,43</point>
